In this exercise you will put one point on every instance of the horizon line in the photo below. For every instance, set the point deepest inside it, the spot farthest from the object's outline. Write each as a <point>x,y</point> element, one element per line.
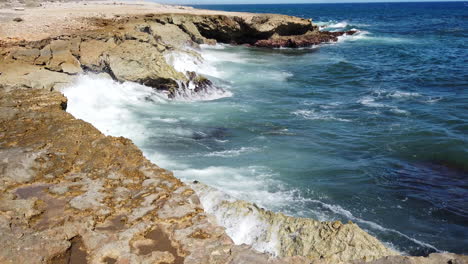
<point>337,2</point>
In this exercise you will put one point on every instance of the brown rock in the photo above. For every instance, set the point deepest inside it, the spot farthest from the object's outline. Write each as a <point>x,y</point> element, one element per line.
<point>306,40</point>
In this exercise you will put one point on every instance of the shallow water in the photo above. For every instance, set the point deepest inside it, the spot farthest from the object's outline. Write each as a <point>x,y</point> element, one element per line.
<point>372,129</point>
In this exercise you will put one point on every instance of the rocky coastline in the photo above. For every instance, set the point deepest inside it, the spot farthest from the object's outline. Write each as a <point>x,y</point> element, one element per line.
<point>70,194</point>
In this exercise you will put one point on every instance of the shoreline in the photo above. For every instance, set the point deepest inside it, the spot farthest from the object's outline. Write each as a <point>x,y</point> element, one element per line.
<point>51,59</point>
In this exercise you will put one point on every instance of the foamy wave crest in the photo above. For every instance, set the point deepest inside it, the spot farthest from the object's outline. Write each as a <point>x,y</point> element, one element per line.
<point>256,184</point>
<point>191,91</point>
<point>191,61</point>
<point>113,101</point>
<point>399,111</point>
<point>245,227</point>
<point>363,35</point>
<point>332,25</point>
<point>314,115</point>
<point>231,153</point>
<point>356,36</point>
<point>218,46</point>
<point>370,102</point>
<point>400,94</point>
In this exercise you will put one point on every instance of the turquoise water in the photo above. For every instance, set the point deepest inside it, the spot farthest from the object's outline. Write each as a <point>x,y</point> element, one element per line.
<point>372,129</point>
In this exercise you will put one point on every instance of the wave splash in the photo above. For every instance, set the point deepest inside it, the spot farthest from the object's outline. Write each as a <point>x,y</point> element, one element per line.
<point>194,66</point>
<point>107,104</point>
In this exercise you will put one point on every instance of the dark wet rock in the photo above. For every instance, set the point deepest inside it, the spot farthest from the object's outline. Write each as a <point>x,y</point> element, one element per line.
<point>248,30</point>
<point>306,40</point>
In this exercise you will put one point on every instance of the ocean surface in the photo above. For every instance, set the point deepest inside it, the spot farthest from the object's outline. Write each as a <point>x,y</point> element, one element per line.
<point>372,129</point>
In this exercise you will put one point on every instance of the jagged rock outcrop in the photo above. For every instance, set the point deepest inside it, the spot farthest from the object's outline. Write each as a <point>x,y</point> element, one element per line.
<point>291,236</point>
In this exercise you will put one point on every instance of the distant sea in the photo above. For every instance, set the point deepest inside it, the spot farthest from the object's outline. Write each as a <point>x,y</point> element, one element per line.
<point>372,129</point>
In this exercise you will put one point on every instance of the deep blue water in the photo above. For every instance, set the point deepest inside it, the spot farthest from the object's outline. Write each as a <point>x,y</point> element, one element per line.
<point>372,129</point>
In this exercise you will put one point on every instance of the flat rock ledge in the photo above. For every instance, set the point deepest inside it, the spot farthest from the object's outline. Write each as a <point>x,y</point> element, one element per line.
<point>69,194</point>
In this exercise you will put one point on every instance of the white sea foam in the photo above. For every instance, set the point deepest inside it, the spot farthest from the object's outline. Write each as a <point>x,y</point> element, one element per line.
<point>370,102</point>
<point>110,105</point>
<point>189,93</point>
<point>107,104</point>
<point>279,76</point>
<point>242,225</point>
<point>359,35</point>
<point>217,46</point>
<point>399,111</point>
<point>164,161</point>
<point>332,25</point>
<point>189,62</point>
<point>232,152</point>
<point>258,184</point>
<point>314,115</point>
<point>342,24</point>
<point>401,94</point>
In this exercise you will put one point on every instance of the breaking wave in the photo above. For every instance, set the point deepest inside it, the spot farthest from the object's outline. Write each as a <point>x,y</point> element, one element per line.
<point>315,115</point>
<point>231,153</point>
